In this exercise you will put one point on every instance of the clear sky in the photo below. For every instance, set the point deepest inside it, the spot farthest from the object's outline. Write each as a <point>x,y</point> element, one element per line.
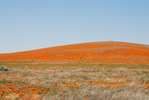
<point>33,24</point>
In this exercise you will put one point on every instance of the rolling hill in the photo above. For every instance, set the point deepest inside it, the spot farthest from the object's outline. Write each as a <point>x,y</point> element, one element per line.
<point>93,52</point>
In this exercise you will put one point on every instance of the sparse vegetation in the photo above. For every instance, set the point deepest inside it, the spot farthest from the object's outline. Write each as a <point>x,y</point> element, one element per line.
<point>75,82</point>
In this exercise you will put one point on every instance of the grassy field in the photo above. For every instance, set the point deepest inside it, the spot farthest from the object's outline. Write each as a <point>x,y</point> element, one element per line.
<point>74,81</point>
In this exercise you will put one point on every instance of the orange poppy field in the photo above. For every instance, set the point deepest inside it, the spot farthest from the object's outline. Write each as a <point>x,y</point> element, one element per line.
<point>94,52</point>
<point>85,71</point>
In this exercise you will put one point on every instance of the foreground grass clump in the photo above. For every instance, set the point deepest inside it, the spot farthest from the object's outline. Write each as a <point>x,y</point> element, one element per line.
<point>75,82</point>
<point>4,68</point>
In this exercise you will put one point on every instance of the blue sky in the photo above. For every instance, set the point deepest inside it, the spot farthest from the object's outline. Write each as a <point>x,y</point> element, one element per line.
<point>34,24</point>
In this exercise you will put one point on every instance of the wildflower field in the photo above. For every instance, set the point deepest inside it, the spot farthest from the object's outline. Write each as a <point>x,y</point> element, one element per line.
<point>93,52</point>
<point>73,81</point>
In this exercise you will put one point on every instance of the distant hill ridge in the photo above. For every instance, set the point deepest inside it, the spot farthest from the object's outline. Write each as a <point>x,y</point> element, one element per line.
<point>93,52</point>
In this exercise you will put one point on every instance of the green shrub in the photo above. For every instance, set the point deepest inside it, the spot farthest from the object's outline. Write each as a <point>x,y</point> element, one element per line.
<point>4,68</point>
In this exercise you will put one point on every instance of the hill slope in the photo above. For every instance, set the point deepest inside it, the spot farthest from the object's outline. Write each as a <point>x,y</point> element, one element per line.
<point>96,52</point>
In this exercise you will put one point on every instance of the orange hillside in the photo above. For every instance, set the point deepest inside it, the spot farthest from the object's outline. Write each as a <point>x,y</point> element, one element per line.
<point>95,52</point>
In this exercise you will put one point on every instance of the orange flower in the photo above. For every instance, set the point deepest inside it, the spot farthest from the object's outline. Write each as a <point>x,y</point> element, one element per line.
<point>86,99</point>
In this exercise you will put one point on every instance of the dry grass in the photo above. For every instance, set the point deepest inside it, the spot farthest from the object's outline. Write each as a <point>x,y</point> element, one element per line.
<point>75,82</point>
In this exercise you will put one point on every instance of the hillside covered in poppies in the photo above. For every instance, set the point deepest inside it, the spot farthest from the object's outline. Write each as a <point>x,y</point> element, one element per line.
<point>93,52</point>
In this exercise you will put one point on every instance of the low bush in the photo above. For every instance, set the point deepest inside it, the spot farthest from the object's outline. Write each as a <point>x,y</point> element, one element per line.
<point>4,68</point>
